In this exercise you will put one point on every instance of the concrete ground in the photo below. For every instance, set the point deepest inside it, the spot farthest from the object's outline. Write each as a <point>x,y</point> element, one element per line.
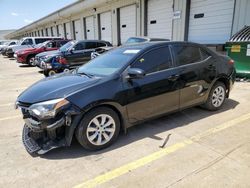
<point>203,149</point>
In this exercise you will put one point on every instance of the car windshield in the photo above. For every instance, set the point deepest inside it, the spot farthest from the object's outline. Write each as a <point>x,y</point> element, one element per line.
<point>108,63</point>
<point>67,46</point>
<point>135,40</point>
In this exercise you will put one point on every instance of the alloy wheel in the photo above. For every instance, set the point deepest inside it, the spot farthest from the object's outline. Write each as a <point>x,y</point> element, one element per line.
<point>101,129</point>
<point>218,96</point>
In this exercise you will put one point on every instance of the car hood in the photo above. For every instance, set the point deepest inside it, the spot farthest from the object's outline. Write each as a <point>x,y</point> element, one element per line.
<point>59,86</point>
<point>54,52</point>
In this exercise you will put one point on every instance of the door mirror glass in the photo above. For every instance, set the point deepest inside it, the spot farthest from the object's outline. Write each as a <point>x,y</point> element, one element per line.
<point>136,73</point>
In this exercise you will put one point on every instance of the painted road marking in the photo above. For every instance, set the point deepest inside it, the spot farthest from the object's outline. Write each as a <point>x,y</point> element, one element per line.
<point>159,154</point>
<point>10,117</point>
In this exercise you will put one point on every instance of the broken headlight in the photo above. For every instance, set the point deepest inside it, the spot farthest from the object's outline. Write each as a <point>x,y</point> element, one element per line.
<point>47,109</point>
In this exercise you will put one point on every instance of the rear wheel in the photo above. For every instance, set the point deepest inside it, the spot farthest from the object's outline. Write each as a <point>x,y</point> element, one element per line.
<point>98,129</point>
<point>216,97</point>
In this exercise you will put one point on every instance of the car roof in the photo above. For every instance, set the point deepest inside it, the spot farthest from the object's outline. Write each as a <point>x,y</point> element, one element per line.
<point>147,45</point>
<point>93,41</point>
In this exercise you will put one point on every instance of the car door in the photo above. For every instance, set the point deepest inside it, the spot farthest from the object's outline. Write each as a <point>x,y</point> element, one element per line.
<point>89,48</point>
<point>156,93</point>
<point>195,73</point>
<point>75,56</point>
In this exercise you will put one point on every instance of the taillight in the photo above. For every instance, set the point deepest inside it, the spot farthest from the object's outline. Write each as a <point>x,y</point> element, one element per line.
<point>62,60</point>
<point>231,62</point>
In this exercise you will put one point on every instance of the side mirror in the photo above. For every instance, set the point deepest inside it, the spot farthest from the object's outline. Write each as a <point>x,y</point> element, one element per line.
<point>72,50</point>
<point>135,73</point>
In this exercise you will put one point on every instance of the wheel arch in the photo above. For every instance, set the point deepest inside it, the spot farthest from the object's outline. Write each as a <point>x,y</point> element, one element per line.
<point>121,112</point>
<point>226,82</point>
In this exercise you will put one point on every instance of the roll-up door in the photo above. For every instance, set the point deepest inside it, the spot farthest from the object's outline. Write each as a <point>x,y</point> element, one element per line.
<point>127,22</point>
<point>159,20</point>
<point>61,30</point>
<point>210,21</point>
<point>54,31</point>
<point>68,32</point>
<point>106,26</point>
<point>90,29</point>
<point>77,30</point>
<point>49,32</point>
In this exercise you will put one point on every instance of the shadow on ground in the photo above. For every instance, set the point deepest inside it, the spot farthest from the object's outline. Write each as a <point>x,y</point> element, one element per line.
<point>25,66</point>
<point>149,129</point>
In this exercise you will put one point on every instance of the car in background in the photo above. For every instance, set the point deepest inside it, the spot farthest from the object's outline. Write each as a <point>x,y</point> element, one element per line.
<point>28,42</point>
<point>5,45</point>
<point>27,56</point>
<point>131,40</point>
<point>121,88</point>
<point>70,56</point>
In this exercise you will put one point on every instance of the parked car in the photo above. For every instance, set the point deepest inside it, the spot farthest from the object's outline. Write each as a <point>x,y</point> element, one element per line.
<point>28,42</point>
<point>121,88</point>
<point>71,56</point>
<point>4,46</point>
<point>131,40</point>
<point>27,56</point>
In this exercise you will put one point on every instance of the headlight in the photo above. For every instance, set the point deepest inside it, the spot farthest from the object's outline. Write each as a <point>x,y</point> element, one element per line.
<point>47,109</point>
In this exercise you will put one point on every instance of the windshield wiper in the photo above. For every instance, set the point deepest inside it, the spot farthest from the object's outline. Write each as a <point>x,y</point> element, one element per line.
<point>84,73</point>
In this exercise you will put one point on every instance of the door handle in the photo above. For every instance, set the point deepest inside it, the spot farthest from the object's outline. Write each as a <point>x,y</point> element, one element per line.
<point>173,77</point>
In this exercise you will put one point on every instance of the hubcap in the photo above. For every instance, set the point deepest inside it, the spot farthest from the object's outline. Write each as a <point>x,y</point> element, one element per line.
<point>218,96</point>
<point>101,129</point>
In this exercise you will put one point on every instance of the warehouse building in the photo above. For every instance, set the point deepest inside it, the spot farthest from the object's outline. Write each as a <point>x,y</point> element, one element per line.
<point>211,22</point>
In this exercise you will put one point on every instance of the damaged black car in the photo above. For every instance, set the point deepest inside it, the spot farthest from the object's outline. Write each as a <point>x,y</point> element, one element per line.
<point>121,88</point>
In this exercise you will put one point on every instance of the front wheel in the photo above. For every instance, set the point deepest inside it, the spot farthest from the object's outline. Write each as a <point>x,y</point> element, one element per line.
<point>49,73</point>
<point>31,61</point>
<point>216,97</point>
<point>98,129</point>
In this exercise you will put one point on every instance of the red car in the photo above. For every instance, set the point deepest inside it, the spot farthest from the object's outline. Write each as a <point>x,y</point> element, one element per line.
<point>27,56</point>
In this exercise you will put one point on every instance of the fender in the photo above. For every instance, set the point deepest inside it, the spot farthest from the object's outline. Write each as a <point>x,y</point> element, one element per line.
<point>121,111</point>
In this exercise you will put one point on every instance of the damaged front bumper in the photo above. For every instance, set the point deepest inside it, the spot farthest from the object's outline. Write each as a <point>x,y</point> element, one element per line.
<point>41,136</point>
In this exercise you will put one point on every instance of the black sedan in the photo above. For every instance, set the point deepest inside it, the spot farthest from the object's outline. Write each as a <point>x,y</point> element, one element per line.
<point>71,55</point>
<point>121,88</point>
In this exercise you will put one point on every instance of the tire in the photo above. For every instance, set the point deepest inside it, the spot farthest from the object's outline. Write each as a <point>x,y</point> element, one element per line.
<point>31,60</point>
<point>216,97</point>
<point>48,73</point>
<point>95,137</point>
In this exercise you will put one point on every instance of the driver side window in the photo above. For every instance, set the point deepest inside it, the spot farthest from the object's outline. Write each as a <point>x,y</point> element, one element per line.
<point>155,60</point>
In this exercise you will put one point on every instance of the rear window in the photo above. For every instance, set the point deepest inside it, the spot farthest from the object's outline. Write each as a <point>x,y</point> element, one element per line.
<point>186,54</point>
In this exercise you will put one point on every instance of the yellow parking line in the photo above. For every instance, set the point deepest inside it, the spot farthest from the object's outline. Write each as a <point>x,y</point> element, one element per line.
<point>10,117</point>
<point>159,154</point>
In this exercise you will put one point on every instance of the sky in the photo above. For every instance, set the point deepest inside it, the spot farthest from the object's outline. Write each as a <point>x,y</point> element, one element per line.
<point>15,14</point>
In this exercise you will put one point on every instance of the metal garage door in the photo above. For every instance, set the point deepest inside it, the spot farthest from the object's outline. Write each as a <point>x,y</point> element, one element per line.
<point>90,29</point>
<point>54,31</point>
<point>106,26</point>
<point>210,21</point>
<point>127,22</point>
<point>61,30</point>
<point>159,21</point>
<point>77,30</point>
<point>68,32</point>
<point>49,32</point>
